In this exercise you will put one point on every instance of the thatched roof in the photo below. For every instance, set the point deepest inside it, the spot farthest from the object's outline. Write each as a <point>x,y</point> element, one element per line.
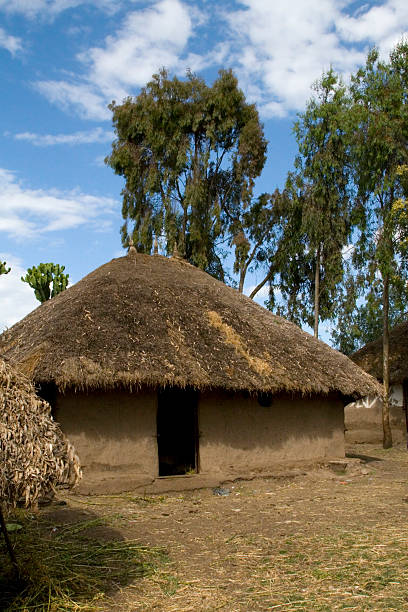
<point>35,456</point>
<point>370,357</point>
<point>149,320</point>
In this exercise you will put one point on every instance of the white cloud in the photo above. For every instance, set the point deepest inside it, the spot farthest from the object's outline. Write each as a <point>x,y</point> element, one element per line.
<point>99,161</point>
<point>280,49</point>
<point>147,40</point>
<point>96,135</point>
<point>377,24</point>
<point>50,8</point>
<point>11,43</point>
<point>261,296</point>
<point>277,50</point>
<point>16,298</point>
<point>83,97</point>
<point>347,251</point>
<point>28,213</point>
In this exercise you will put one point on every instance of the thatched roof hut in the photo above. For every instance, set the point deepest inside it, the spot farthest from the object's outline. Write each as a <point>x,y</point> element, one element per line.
<point>370,356</point>
<point>148,320</point>
<point>35,455</point>
<point>364,418</point>
<point>148,355</point>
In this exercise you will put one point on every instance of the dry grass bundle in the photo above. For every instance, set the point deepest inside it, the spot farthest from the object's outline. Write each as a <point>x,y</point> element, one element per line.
<point>35,456</point>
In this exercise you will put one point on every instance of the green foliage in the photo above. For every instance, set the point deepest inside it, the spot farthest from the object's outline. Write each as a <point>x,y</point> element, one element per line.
<point>188,153</point>
<point>3,268</point>
<point>360,323</point>
<point>399,212</point>
<point>315,220</point>
<point>378,124</point>
<point>47,280</point>
<point>255,230</point>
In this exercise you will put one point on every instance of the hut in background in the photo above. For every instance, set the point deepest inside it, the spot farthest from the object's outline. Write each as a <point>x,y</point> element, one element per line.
<point>154,368</point>
<point>35,456</point>
<point>364,418</point>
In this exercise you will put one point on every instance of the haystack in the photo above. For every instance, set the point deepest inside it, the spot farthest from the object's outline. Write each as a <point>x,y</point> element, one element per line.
<point>147,355</point>
<point>35,455</point>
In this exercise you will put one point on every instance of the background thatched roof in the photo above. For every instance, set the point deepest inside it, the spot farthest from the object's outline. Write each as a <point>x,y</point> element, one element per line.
<point>35,456</point>
<point>371,355</point>
<point>149,320</point>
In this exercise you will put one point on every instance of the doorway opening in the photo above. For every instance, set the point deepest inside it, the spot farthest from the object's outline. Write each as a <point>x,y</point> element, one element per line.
<point>177,431</point>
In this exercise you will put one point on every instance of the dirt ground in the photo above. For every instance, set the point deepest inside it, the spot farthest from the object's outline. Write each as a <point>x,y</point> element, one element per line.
<point>321,541</point>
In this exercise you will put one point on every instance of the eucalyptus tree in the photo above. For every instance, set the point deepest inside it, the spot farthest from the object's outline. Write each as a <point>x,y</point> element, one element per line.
<point>188,153</point>
<point>360,321</point>
<point>255,231</point>
<point>379,148</point>
<point>317,220</point>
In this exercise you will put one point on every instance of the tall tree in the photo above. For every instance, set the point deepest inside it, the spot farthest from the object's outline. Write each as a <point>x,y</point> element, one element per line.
<point>187,152</point>
<point>47,280</point>
<point>3,268</point>
<point>379,149</point>
<point>361,320</point>
<point>255,230</point>
<point>317,212</point>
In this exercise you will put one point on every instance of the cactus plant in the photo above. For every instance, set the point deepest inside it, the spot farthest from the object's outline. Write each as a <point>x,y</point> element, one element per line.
<point>3,269</point>
<point>42,276</point>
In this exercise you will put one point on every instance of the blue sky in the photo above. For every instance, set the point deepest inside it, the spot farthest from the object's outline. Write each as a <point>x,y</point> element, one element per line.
<point>63,61</point>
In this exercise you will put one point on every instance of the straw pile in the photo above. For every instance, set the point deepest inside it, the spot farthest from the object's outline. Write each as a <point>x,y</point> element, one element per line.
<point>35,456</point>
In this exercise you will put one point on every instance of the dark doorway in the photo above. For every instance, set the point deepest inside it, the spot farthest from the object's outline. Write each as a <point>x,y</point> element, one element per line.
<point>177,431</point>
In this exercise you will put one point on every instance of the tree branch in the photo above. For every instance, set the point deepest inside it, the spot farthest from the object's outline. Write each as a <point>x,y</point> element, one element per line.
<point>262,283</point>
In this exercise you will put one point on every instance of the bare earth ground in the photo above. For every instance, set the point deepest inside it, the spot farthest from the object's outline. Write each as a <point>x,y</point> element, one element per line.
<point>321,541</point>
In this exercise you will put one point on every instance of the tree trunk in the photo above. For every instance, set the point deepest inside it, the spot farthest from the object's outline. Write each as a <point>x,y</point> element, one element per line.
<point>387,437</point>
<point>317,294</point>
<point>244,270</point>
<point>261,284</point>
<point>242,274</point>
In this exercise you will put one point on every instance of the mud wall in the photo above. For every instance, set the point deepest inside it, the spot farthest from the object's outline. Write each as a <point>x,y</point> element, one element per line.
<point>237,434</point>
<point>111,431</point>
<point>363,420</point>
<point>115,434</point>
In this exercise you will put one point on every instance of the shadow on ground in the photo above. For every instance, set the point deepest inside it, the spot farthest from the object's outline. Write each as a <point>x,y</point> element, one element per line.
<point>69,559</point>
<point>365,458</point>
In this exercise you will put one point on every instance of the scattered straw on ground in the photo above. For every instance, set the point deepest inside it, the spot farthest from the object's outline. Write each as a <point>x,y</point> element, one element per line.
<point>314,543</point>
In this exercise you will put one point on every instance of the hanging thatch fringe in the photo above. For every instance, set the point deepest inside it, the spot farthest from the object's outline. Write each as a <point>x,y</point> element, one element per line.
<point>144,320</point>
<point>35,456</point>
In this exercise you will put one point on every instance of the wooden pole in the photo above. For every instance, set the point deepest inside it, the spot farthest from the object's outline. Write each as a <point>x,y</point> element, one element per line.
<point>8,543</point>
